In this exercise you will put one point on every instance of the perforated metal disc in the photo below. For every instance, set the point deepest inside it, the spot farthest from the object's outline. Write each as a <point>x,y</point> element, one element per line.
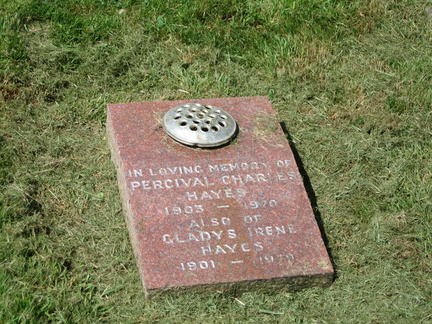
<point>199,125</point>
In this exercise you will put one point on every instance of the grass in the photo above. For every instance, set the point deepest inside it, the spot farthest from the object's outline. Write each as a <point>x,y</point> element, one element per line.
<point>350,80</point>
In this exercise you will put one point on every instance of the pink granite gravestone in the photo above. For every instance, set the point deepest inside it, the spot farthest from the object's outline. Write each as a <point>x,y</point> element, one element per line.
<point>234,217</point>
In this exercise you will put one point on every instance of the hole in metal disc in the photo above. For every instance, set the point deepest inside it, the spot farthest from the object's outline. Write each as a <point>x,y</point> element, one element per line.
<point>196,121</point>
<point>223,116</point>
<point>204,129</point>
<point>183,123</point>
<point>222,123</point>
<point>214,128</point>
<point>201,115</point>
<point>177,116</point>
<point>193,128</point>
<point>190,116</point>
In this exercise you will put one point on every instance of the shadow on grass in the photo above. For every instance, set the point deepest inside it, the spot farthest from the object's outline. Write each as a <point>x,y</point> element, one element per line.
<point>310,192</point>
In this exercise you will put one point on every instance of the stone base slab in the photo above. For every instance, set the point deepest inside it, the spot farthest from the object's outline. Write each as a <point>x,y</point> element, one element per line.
<point>235,217</point>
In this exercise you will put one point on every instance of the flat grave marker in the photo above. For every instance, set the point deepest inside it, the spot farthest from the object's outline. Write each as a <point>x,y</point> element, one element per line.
<point>234,217</point>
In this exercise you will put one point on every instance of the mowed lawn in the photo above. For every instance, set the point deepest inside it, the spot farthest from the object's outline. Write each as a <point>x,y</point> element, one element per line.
<point>350,79</point>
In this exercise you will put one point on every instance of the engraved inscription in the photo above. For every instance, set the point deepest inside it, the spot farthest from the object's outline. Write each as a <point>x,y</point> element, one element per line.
<point>195,209</point>
<point>231,248</point>
<point>222,215</point>
<point>244,179</point>
<point>171,183</point>
<point>260,204</point>
<point>271,230</point>
<point>199,223</point>
<point>229,174</point>
<point>201,236</point>
<point>215,194</point>
<point>243,166</point>
<point>200,265</point>
<point>277,258</point>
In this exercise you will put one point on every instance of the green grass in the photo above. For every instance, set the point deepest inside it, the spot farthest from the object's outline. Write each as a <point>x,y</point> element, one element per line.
<point>351,81</point>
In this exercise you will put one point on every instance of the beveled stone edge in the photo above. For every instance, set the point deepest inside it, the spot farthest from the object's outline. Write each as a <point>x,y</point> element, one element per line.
<point>272,285</point>
<point>124,196</point>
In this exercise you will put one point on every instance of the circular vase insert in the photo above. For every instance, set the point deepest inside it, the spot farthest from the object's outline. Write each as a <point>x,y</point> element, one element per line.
<point>199,125</point>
